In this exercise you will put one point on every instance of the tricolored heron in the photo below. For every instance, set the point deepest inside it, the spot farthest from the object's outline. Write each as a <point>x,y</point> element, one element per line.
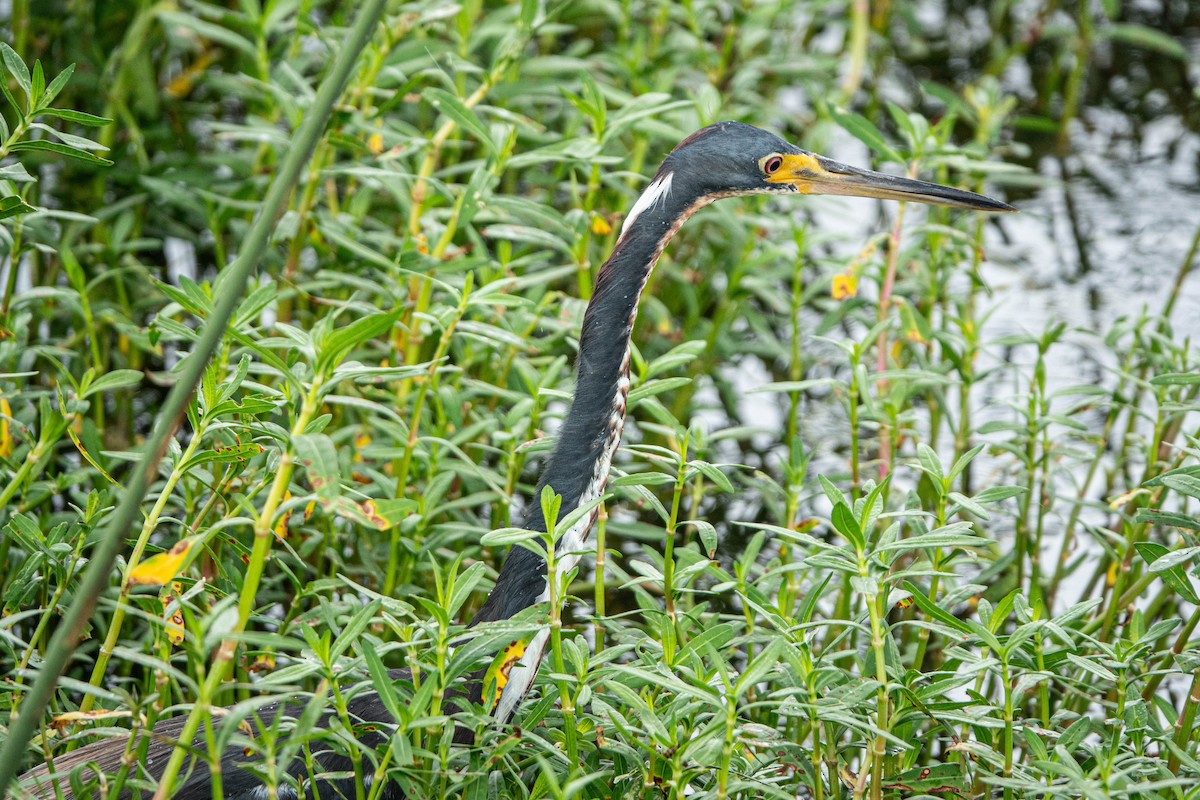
<point>723,160</point>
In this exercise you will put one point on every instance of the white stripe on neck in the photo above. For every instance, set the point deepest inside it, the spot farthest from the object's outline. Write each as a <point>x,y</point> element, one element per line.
<point>657,190</point>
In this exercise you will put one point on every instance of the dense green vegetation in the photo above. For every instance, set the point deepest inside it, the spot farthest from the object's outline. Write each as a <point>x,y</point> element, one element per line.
<point>886,594</point>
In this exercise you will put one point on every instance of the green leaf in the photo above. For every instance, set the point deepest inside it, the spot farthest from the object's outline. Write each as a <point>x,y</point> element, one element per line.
<point>845,523</point>
<point>966,458</point>
<point>1172,575</point>
<point>708,535</point>
<point>865,131</point>
<point>189,295</point>
<point>1184,484</point>
<point>763,663</point>
<point>316,453</point>
<point>1074,735</point>
<point>714,474</point>
<point>13,205</point>
<point>1168,518</point>
<point>16,173</point>
<point>16,68</point>
<point>207,30</point>
<point>114,379</point>
<point>1092,667</point>
<point>56,86</point>
<point>354,629</point>
<point>70,140</point>
<point>381,679</point>
<point>930,462</point>
<point>1145,37</point>
<point>464,585</point>
<point>62,149</point>
<point>656,386</point>
<point>336,345</point>
<point>235,453</point>
<point>502,537</point>
<point>38,90</point>
<point>932,609</point>
<point>1176,379</point>
<point>456,110</point>
<point>941,780</point>
<point>78,117</point>
<point>643,479</point>
<point>994,494</point>
<point>968,504</point>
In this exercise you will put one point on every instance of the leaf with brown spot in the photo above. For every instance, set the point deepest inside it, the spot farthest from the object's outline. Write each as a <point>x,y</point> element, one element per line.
<point>317,454</point>
<point>163,567</point>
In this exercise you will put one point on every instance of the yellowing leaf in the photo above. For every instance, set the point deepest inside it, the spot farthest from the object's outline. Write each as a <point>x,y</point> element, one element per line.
<point>6,443</point>
<point>163,567</point>
<point>174,619</point>
<point>496,677</point>
<point>281,527</point>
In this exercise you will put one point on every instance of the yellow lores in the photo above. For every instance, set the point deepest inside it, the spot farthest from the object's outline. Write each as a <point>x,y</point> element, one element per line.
<point>496,677</point>
<point>798,169</point>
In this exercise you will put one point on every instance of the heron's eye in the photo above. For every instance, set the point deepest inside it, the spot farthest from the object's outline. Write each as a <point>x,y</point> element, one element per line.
<point>772,165</point>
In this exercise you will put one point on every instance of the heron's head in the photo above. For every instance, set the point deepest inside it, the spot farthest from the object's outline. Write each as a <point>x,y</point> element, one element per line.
<point>733,158</point>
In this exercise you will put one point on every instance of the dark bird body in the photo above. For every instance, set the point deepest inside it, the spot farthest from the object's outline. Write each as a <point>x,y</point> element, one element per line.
<point>722,160</point>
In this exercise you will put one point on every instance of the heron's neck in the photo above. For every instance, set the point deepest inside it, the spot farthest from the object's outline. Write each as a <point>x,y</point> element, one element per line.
<point>579,466</point>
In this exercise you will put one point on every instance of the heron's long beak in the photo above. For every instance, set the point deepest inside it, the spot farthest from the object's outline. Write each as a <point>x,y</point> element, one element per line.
<point>814,174</point>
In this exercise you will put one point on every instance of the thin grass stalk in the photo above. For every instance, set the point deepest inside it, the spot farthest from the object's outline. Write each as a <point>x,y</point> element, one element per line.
<point>1185,269</point>
<point>1073,90</point>
<point>566,699</point>
<point>1185,725</point>
<point>727,744</point>
<point>598,590</point>
<point>669,534</point>
<point>860,11</point>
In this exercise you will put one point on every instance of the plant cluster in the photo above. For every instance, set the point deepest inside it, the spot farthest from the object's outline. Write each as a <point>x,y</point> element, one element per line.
<point>881,593</point>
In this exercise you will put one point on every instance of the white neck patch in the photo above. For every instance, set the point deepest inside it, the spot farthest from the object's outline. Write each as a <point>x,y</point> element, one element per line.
<point>657,190</point>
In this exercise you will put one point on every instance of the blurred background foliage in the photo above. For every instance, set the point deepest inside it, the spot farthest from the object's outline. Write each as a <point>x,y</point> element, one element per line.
<point>917,541</point>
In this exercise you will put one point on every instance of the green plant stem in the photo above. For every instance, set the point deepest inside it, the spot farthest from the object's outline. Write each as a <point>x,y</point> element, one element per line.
<point>1184,725</point>
<point>1185,269</point>
<point>598,584</point>
<point>669,535</point>
<point>566,699</point>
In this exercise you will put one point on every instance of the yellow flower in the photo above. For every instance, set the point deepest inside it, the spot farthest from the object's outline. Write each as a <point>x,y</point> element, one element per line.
<point>600,226</point>
<point>375,143</point>
<point>845,286</point>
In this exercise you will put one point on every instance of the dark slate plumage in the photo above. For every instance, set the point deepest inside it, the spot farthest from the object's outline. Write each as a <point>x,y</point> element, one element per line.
<point>365,710</point>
